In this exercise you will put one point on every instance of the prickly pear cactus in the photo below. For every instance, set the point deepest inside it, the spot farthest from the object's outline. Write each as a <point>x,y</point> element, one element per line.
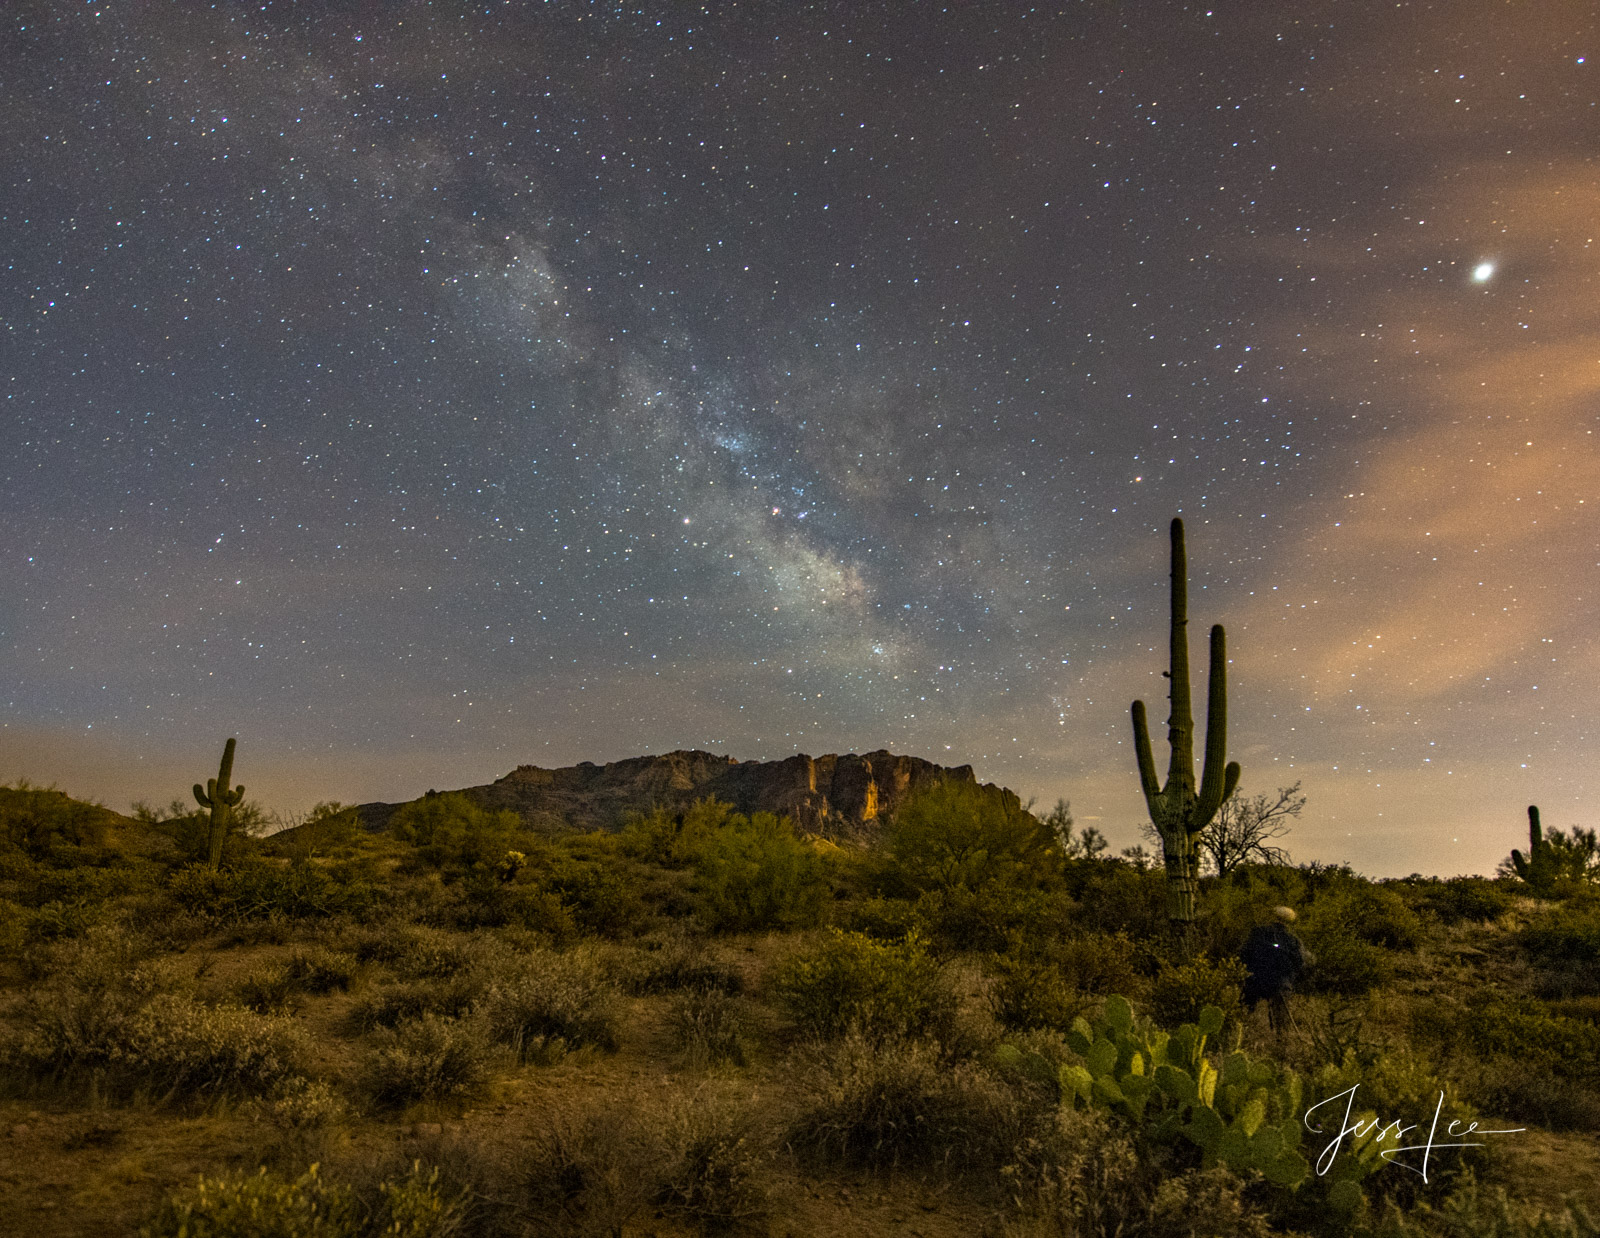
<point>1245,1115</point>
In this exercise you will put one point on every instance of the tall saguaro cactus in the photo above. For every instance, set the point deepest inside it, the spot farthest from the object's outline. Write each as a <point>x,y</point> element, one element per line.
<point>1180,810</point>
<point>217,796</point>
<point>1538,867</point>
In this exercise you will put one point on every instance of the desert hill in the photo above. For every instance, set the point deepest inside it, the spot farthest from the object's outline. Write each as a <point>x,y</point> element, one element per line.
<point>840,796</point>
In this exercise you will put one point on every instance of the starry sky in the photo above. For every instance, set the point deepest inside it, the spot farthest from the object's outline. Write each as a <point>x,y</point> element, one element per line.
<point>418,390</point>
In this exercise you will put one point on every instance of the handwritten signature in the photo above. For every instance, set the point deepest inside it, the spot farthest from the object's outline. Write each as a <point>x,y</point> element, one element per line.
<point>1392,1130</point>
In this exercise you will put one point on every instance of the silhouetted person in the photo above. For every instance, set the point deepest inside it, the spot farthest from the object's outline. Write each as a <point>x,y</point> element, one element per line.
<point>1275,958</point>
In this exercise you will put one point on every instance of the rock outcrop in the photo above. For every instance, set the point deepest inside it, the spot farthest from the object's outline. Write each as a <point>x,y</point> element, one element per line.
<point>848,797</point>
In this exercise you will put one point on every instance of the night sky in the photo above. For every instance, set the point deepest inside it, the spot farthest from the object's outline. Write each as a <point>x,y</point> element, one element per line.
<point>414,391</point>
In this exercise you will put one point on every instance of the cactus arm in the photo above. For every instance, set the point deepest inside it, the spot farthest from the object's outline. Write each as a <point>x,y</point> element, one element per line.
<point>201,797</point>
<point>1180,726</point>
<point>1230,781</point>
<point>1147,762</point>
<point>1213,789</point>
<point>1518,863</point>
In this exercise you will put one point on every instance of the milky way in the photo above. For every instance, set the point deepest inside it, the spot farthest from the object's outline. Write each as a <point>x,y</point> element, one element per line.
<point>414,391</point>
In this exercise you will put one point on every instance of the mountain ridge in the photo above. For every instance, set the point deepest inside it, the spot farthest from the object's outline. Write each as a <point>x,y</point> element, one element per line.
<point>842,796</point>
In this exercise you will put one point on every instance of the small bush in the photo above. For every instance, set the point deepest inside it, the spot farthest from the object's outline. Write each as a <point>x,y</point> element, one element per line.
<point>754,873</point>
<point>674,839</point>
<point>1032,993</point>
<point>1564,937</point>
<point>896,1102</point>
<point>430,1058</point>
<point>1342,963</point>
<point>320,970</point>
<point>887,919</point>
<point>708,1028</point>
<point>258,889</point>
<point>879,988</point>
<point>179,1044</point>
<point>1399,1084</point>
<point>261,1205</point>
<point>714,1174</point>
<point>1118,898</point>
<point>418,1206</point>
<point>390,1005</point>
<point>587,1178</point>
<point>303,1104</point>
<point>1083,1175</point>
<point>551,1002</point>
<point>1466,898</point>
<point>676,964</point>
<point>1180,993</point>
<point>266,990</point>
<point>451,831</point>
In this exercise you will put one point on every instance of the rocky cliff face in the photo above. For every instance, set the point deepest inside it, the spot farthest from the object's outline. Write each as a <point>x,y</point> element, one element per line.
<point>852,796</point>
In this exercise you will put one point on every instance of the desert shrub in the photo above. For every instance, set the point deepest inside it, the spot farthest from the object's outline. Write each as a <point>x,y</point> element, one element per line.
<point>879,988</point>
<point>675,964</point>
<point>75,885</point>
<point>55,920</point>
<point>674,838</point>
<point>1563,936</point>
<point>1118,898</point>
<point>1031,992</point>
<point>390,1005</point>
<point>1375,914</point>
<point>13,928</point>
<point>428,1058</point>
<point>262,1205</point>
<point>487,901</point>
<point>417,1205</point>
<point>298,1104</point>
<point>897,1102</point>
<point>1083,1175</point>
<point>1521,1058</point>
<point>960,918</point>
<point>1342,964</point>
<point>1466,898</point>
<point>413,951</point>
<point>887,919</point>
<point>551,1002</point>
<point>1398,1085</point>
<point>261,889</point>
<point>597,893</point>
<point>1474,1211</point>
<point>714,1174</point>
<point>451,831</point>
<point>39,820</point>
<point>267,990</point>
<point>1179,993</point>
<point>320,970</point>
<point>961,834</point>
<point>177,1043</point>
<point>754,873</point>
<point>1046,982</point>
<point>708,1028</point>
<point>587,1177</point>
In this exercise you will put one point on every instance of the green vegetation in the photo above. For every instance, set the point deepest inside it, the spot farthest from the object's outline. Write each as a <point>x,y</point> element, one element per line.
<point>708,1022</point>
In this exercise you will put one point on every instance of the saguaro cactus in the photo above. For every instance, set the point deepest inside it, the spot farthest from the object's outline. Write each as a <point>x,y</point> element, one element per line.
<point>1538,867</point>
<point>216,796</point>
<point>1179,810</point>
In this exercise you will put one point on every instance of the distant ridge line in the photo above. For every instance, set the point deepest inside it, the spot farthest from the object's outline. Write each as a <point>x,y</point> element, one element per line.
<point>845,797</point>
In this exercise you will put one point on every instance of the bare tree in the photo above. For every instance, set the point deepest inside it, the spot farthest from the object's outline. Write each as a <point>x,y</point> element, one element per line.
<point>1244,827</point>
